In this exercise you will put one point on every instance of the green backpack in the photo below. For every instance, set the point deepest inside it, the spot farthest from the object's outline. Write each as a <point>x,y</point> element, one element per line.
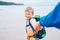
<point>41,33</point>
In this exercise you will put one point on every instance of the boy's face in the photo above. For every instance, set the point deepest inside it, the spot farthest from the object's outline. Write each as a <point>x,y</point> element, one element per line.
<point>28,14</point>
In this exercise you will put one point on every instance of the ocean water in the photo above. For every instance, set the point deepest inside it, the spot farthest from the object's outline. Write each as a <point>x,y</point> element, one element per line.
<point>12,23</point>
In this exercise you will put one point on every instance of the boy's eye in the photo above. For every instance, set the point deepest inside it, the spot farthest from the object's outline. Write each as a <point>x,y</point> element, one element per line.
<point>27,13</point>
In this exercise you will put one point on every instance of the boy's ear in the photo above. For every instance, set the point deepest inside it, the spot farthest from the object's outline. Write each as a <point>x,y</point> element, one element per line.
<point>32,13</point>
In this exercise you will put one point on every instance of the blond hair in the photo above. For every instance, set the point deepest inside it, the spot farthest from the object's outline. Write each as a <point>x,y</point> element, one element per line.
<point>29,8</point>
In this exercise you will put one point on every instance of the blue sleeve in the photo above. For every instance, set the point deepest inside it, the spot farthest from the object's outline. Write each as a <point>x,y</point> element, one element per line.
<point>52,19</point>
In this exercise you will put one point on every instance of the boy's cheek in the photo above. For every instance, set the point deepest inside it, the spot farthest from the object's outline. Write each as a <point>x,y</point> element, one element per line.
<point>26,16</point>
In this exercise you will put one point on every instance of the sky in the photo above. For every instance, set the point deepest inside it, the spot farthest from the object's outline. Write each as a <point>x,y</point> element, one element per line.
<point>24,1</point>
<point>35,2</point>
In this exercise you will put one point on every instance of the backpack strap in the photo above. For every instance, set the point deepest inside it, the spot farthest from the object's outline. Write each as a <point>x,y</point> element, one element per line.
<point>31,24</point>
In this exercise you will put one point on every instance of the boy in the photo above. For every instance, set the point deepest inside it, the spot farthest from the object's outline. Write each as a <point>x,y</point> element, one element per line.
<point>29,12</point>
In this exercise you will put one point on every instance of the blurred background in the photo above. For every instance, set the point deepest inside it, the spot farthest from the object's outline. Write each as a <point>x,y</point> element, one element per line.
<point>12,19</point>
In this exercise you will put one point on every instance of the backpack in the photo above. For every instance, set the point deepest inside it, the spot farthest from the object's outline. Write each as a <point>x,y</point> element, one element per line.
<point>41,33</point>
